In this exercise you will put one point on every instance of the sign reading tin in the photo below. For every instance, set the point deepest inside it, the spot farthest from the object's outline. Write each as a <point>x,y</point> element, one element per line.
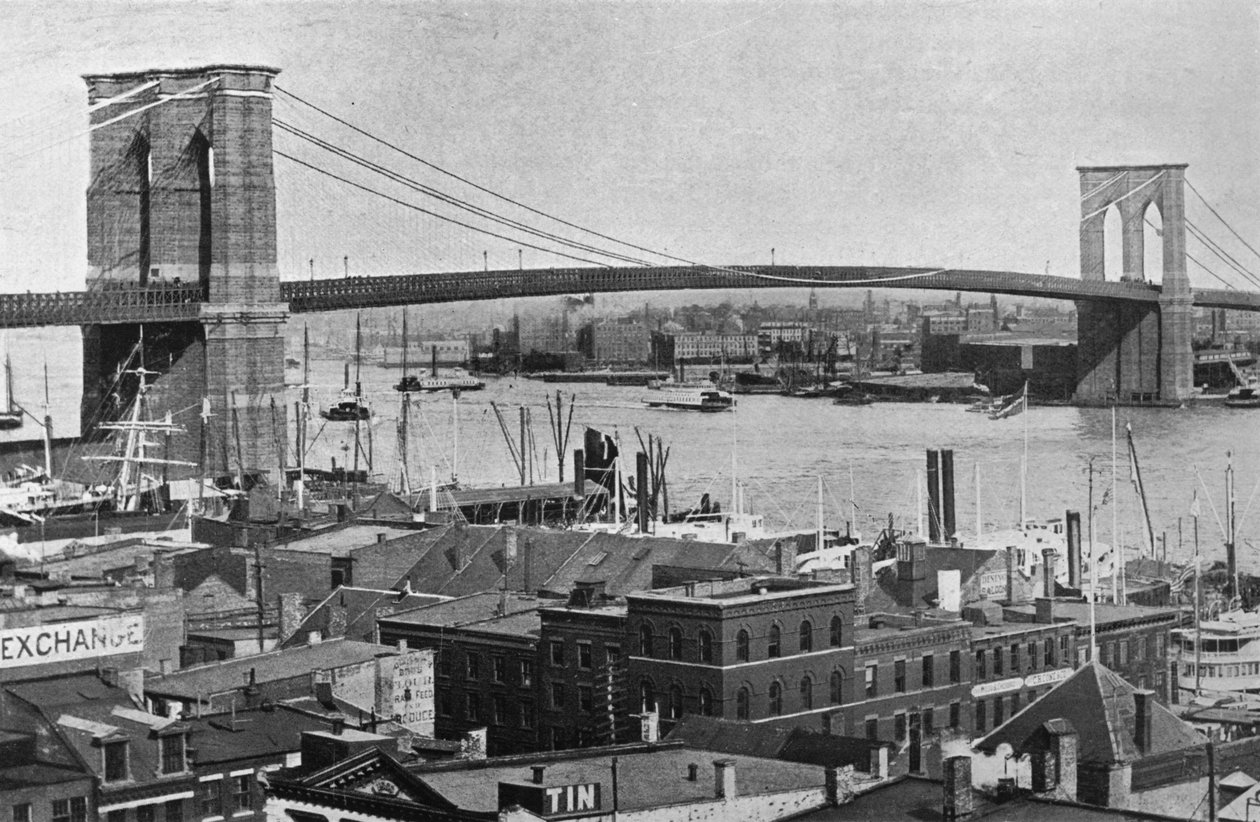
<point>65,641</point>
<point>551,800</point>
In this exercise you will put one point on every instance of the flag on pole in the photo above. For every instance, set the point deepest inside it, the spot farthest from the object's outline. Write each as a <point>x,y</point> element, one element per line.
<point>1016,403</point>
<point>1185,576</point>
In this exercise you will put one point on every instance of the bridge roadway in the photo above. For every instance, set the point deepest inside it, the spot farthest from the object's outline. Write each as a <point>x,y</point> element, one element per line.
<point>169,303</point>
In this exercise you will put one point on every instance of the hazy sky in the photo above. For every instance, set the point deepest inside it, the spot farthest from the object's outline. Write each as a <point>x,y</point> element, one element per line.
<point>919,133</point>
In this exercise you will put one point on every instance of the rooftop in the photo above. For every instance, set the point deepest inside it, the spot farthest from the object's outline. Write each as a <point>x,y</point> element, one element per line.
<point>341,541</point>
<point>469,610</point>
<point>251,733</point>
<point>1104,614</point>
<point>741,591</point>
<point>648,778</point>
<point>225,675</point>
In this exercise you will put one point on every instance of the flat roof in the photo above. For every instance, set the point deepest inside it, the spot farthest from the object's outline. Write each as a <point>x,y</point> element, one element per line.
<point>645,778</point>
<point>229,674</point>
<point>741,591</point>
<point>339,542</point>
<point>466,610</point>
<point>1103,612</point>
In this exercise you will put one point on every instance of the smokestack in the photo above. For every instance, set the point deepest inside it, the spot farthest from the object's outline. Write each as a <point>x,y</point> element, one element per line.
<point>1011,571</point>
<point>1072,522</point>
<point>434,350</point>
<point>934,496</point>
<point>641,489</point>
<point>1048,572</point>
<point>947,493</point>
<point>527,568</point>
<point>579,473</point>
<point>1142,705</point>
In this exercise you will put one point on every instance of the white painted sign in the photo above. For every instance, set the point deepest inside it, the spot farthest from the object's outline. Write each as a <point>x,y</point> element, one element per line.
<point>66,641</point>
<point>999,687</point>
<point>1015,683</point>
<point>1047,677</point>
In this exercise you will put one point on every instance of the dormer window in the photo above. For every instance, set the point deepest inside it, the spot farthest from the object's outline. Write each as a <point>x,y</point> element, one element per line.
<point>172,759</point>
<point>117,768</point>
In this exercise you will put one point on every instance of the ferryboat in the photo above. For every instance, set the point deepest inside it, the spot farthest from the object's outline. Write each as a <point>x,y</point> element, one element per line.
<point>457,380</point>
<point>695,396</point>
<point>1244,396</point>
<point>1228,654</point>
<point>349,407</point>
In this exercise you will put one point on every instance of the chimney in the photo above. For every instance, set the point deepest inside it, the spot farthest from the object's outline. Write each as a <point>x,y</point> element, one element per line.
<point>1143,705</point>
<point>381,536</point>
<point>1072,522</point>
<point>291,615</point>
<point>1054,768</point>
<point>1044,611</point>
<point>947,494</point>
<point>911,560</point>
<point>163,570</point>
<point>862,576</point>
<point>509,546</point>
<point>641,490</point>
<point>1048,572</point>
<point>724,779</point>
<point>877,762</point>
<point>1011,573</point>
<point>132,679</point>
<point>959,798</point>
<point>934,496</point>
<point>538,773</point>
<point>527,567</point>
<point>338,724</point>
<point>579,473</point>
<point>693,772</point>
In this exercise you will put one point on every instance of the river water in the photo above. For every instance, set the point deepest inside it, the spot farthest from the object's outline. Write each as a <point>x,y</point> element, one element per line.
<point>869,455</point>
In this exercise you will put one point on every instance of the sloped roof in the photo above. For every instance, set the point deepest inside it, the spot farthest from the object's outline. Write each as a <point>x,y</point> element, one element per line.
<point>363,607</point>
<point>1099,705</point>
<point>251,733</point>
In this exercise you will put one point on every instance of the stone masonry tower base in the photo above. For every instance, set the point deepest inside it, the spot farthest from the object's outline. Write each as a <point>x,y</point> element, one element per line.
<point>182,190</point>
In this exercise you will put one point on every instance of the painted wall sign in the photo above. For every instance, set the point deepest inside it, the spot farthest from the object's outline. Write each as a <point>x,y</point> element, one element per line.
<point>1047,677</point>
<point>65,641</point>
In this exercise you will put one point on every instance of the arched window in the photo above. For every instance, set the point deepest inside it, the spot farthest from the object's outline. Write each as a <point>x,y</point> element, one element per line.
<point>647,696</point>
<point>675,702</point>
<point>645,639</point>
<point>837,631</point>
<point>741,645</point>
<point>776,699</point>
<point>837,687</point>
<point>807,693</point>
<point>741,703</point>
<point>807,636</point>
<point>776,642</point>
<point>675,643</point>
<point>706,645</point>
<point>706,702</point>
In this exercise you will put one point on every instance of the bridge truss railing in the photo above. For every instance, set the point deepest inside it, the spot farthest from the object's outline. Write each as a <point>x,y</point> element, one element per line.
<point>366,292</point>
<point>116,305</point>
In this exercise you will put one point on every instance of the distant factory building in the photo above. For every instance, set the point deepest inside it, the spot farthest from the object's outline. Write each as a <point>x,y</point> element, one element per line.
<point>617,341</point>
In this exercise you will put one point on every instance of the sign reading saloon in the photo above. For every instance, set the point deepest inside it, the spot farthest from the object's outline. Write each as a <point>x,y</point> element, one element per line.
<point>66,641</point>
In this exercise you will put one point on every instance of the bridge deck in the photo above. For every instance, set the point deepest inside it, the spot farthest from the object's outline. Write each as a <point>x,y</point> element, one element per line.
<point>182,303</point>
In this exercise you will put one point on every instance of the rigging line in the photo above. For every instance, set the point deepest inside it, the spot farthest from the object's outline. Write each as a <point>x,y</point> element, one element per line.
<point>1219,251</point>
<point>186,94</point>
<point>468,182</point>
<point>1211,504</point>
<point>414,207</point>
<point>446,198</point>
<point>1099,188</point>
<point>1196,260</point>
<point>1124,196</point>
<point>1222,219</point>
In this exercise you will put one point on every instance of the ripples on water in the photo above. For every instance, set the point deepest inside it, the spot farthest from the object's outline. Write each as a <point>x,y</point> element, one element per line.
<point>785,444</point>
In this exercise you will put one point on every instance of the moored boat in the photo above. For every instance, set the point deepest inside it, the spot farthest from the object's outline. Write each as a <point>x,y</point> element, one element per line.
<point>457,380</point>
<point>1227,657</point>
<point>1247,396</point>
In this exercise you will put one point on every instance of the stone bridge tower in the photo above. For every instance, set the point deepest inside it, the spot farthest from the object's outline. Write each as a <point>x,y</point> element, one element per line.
<point>1129,352</point>
<point>182,191</point>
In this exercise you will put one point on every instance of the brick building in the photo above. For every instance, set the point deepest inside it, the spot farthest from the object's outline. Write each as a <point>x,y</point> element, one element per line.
<point>617,341</point>
<point>581,672</point>
<point>1016,663</point>
<point>753,649</point>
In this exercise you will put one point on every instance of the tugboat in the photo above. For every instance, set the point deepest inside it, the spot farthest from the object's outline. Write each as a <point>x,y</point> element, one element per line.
<point>1246,394</point>
<point>351,405</point>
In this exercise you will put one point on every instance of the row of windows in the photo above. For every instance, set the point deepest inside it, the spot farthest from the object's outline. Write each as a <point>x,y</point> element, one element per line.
<point>217,797</point>
<point>926,718</point>
<point>1139,648</point>
<point>704,641</point>
<point>996,662</point>
<point>116,758</point>
<point>501,711</point>
<point>673,703</point>
<point>499,666</point>
<point>584,659</point>
<point>926,678</point>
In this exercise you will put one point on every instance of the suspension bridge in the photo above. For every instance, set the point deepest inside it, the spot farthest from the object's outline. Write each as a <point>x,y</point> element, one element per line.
<point>182,237</point>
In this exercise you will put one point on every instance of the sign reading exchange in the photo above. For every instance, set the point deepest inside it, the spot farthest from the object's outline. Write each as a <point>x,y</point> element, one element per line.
<point>67,641</point>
